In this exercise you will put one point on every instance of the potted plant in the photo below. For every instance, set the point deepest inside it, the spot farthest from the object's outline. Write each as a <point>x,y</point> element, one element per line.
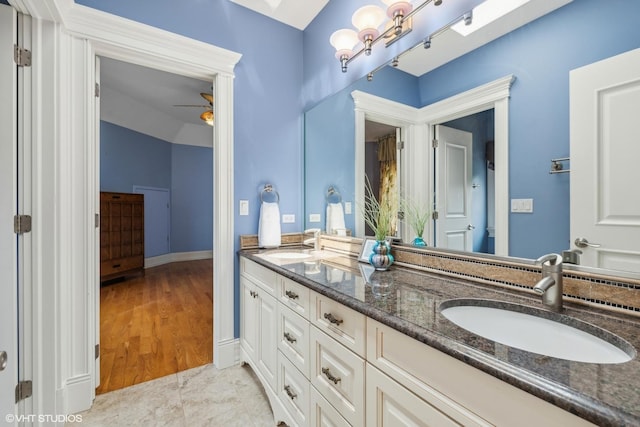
<point>416,215</point>
<point>379,216</point>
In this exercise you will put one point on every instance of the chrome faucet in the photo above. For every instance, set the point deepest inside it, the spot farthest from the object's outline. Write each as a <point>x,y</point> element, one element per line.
<point>315,240</point>
<point>550,286</point>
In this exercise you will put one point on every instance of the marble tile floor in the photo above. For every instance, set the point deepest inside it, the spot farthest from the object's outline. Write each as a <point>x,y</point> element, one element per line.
<point>203,396</point>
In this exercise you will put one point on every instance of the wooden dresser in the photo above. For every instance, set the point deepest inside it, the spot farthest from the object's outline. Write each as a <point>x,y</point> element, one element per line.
<point>121,234</point>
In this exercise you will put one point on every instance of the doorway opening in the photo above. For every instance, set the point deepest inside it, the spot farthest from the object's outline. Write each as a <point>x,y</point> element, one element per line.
<point>160,322</point>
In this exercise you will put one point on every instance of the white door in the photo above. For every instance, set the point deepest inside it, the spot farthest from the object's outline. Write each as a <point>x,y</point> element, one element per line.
<point>454,229</point>
<point>96,130</point>
<point>157,220</point>
<point>8,205</point>
<point>605,150</point>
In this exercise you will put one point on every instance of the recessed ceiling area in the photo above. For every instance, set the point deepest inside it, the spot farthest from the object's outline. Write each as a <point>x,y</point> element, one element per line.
<point>296,13</point>
<point>143,99</point>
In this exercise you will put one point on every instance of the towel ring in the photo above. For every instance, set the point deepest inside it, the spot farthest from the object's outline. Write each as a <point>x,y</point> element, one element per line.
<point>333,195</point>
<point>268,192</point>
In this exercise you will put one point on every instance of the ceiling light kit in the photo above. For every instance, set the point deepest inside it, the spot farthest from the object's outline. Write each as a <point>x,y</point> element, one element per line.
<point>368,20</point>
<point>207,116</point>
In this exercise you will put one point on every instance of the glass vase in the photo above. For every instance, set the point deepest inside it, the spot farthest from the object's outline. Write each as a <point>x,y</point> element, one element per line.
<point>381,258</point>
<point>419,241</point>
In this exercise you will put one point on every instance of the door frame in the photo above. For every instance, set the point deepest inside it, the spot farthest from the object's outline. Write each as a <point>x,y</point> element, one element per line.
<point>416,180</point>
<point>66,271</point>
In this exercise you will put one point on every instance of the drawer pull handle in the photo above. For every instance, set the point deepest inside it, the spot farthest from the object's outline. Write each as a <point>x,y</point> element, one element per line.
<point>253,294</point>
<point>289,338</point>
<point>332,319</point>
<point>290,393</point>
<point>116,265</point>
<point>291,294</point>
<point>330,376</point>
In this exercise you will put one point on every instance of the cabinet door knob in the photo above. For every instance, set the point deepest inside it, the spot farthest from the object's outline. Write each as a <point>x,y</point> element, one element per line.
<point>332,319</point>
<point>330,376</point>
<point>289,338</point>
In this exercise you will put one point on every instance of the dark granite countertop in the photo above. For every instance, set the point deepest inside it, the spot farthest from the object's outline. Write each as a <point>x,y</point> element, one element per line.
<point>408,301</point>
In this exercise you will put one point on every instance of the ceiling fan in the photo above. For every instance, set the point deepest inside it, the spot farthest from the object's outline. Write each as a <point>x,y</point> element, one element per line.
<point>207,116</point>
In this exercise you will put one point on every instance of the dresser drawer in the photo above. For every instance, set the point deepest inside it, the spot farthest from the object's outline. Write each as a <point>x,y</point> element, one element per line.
<point>345,325</point>
<point>322,414</point>
<point>264,277</point>
<point>293,339</point>
<point>293,391</point>
<point>295,296</point>
<point>338,374</point>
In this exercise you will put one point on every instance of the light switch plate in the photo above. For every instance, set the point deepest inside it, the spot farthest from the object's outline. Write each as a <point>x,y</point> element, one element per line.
<point>244,207</point>
<point>314,217</point>
<point>347,208</point>
<point>288,218</point>
<point>522,205</point>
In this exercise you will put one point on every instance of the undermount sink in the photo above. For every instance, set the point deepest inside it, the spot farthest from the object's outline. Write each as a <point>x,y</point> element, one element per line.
<point>290,255</point>
<point>538,331</point>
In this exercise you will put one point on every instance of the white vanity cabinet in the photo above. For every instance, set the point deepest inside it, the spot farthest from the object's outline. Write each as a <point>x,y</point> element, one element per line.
<point>325,364</point>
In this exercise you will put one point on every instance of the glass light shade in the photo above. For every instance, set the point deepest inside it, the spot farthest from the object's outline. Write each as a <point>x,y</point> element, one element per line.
<point>397,7</point>
<point>367,19</point>
<point>207,116</point>
<point>344,41</point>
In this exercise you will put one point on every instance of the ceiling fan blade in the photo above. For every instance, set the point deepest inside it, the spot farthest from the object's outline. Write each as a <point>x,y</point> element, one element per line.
<point>208,97</point>
<point>192,105</point>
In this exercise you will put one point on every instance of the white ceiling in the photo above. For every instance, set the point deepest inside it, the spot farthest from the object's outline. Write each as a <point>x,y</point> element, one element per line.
<point>143,99</point>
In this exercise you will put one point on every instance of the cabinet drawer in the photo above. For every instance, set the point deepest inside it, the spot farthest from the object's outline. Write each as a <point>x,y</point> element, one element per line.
<point>322,414</point>
<point>345,325</point>
<point>295,296</point>
<point>115,266</point>
<point>264,277</point>
<point>293,391</point>
<point>390,404</point>
<point>338,374</point>
<point>293,339</point>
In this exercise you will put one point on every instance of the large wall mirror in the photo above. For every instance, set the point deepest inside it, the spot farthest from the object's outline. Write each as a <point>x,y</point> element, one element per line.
<point>534,61</point>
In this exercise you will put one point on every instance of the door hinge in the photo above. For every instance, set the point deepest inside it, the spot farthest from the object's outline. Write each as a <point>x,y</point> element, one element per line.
<point>434,143</point>
<point>24,389</point>
<point>21,56</point>
<point>97,350</point>
<point>97,90</point>
<point>434,215</point>
<point>21,224</point>
<point>400,145</point>
<point>97,220</point>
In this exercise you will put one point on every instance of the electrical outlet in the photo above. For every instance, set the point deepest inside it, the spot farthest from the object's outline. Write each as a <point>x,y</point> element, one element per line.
<point>288,219</point>
<point>314,217</point>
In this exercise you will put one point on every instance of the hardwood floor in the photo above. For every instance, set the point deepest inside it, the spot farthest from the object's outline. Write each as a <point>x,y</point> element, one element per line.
<point>156,324</point>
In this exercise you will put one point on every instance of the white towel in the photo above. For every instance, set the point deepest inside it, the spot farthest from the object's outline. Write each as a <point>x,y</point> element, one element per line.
<point>335,217</point>
<point>269,225</point>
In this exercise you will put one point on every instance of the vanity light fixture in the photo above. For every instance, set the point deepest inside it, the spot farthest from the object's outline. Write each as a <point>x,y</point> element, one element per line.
<point>368,20</point>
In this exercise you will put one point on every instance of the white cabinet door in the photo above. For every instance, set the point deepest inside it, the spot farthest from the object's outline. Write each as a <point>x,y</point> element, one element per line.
<point>390,405</point>
<point>267,327</point>
<point>248,318</point>
<point>605,207</point>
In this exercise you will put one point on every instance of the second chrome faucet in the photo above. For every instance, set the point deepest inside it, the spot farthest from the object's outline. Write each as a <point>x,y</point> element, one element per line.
<point>550,286</point>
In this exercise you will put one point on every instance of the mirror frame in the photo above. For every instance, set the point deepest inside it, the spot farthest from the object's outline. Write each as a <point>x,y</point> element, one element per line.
<point>417,130</point>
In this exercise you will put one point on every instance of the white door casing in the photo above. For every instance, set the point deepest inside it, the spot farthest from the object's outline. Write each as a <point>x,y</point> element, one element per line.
<point>8,204</point>
<point>67,38</point>
<point>605,202</point>
<point>453,163</point>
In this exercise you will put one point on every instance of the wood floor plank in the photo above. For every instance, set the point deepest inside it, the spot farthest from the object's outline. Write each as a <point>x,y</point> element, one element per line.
<point>157,324</point>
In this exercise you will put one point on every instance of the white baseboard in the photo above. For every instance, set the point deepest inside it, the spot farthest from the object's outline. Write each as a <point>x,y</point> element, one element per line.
<point>176,257</point>
<point>77,395</point>
<point>227,354</point>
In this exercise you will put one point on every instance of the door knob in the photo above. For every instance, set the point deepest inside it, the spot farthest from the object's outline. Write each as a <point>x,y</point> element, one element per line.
<point>3,360</point>
<point>471,227</point>
<point>581,242</point>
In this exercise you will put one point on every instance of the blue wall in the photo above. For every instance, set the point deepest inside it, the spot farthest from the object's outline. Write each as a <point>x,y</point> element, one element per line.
<point>129,158</point>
